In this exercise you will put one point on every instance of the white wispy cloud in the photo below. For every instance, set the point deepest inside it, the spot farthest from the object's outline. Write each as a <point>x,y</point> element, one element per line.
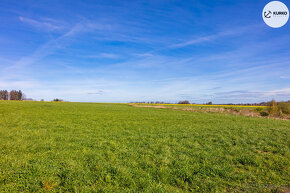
<point>46,24</point>
<point>108,55</point>
<point>284,91</point>
<point>103,55</point>
<point>253,95</point>
<point>196,41</point>
<point>18,84</point>
<point>58,43</point>
<point>43,50</point>
<point>285,77</point>
<point>212,37</point>
<point>144,55</point>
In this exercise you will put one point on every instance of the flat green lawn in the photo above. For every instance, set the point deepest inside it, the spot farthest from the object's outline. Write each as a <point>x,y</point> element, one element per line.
<point>87,147</point>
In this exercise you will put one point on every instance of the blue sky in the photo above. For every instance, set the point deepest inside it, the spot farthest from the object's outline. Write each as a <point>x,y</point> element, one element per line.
<point>153,50</point>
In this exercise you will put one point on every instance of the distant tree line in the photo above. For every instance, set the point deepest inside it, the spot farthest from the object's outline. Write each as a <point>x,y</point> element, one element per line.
<point>209,103</point>
<point>12,95</point>
<point>183,102</point>
<point>152,102</point>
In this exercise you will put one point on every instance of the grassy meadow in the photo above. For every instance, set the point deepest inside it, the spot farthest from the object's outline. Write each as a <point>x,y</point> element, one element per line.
<point>90,147</point>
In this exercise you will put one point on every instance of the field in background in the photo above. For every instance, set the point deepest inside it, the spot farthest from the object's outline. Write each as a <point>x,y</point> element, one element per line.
<point>79,147</point>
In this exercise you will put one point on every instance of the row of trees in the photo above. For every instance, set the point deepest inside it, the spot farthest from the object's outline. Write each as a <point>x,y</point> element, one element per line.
<point>12,95</point>
<point>152,102</point>
<point>187,102</point>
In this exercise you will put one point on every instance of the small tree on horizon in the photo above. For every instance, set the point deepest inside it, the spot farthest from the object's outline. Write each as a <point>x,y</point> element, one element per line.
<point>57,100</point>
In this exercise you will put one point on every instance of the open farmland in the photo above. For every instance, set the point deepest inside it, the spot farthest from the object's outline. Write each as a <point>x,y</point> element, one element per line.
<point>82,147</point>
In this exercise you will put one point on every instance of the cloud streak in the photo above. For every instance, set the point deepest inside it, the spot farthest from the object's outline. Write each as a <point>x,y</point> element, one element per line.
<point>46,24</point>
<point>58,43</point>
<point>212,37</point>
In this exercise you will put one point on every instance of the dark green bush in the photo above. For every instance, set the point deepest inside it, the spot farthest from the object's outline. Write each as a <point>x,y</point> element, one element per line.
<point>264,113</point>
<point>57,100</point>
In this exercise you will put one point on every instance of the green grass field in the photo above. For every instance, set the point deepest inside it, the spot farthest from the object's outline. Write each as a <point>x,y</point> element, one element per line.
<point>87,147</point>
